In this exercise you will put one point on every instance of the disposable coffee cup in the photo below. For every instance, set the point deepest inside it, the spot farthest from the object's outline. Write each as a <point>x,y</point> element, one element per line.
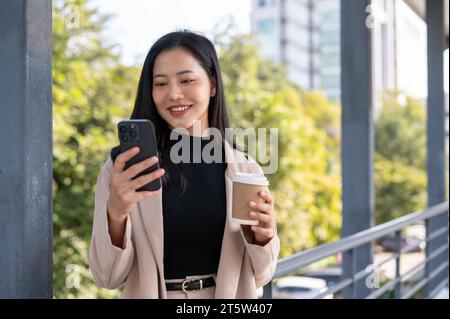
<point>246,187</point>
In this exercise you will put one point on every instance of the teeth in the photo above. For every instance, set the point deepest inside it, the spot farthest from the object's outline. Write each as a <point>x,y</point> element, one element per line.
<point>179,108</point>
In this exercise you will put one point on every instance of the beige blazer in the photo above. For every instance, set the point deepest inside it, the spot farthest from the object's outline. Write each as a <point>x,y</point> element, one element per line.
<point>243,266</point>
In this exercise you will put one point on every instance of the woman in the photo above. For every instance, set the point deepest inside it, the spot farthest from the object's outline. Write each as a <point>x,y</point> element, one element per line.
<point>180,242</point>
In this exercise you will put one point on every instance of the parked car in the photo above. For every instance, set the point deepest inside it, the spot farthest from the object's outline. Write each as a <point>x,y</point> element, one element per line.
<point>332,274</point>
<point>414,243</point>
<point>299,287</point>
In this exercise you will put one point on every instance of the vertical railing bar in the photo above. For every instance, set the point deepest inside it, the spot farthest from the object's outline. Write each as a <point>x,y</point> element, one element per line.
<point>398,284</point>
<point>267,290</point>
<point>427,250</point>
<point>353,256</point>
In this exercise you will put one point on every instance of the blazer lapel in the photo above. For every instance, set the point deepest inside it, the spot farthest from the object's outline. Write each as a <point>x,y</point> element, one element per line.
<point>151,212</point>
<point>233,248</point>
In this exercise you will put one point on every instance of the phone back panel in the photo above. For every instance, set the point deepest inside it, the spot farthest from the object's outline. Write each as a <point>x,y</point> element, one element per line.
<point>140,133</point>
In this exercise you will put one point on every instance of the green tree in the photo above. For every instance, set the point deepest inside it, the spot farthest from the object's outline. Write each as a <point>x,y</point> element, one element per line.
<point>400,176</point>
<point>400,130</point>
<point>400,189</point>
<point>91,92</point>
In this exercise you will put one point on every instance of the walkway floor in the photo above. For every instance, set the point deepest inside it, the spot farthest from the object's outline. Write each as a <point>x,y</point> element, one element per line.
<point>443,294</point>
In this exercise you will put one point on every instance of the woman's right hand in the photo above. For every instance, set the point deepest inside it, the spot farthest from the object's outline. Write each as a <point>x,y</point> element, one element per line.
<point>123,193</point>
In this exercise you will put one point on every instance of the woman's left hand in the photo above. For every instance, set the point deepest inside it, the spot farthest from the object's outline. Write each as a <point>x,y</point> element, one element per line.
<point>264,213</point>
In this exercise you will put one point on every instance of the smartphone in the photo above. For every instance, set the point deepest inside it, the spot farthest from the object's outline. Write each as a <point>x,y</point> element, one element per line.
<point>140,133</point>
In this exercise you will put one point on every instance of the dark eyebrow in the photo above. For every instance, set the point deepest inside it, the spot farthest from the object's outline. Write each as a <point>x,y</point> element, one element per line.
<point>178,73</point>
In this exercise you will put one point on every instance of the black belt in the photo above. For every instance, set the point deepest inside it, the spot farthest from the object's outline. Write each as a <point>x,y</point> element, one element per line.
<point>190,285</point>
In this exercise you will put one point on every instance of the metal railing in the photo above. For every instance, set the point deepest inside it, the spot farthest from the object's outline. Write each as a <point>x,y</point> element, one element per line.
<point>349,244</point>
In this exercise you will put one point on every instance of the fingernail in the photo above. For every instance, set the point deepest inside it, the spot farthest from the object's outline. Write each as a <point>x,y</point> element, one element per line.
<point>252,214</point>
<point>252,204</point>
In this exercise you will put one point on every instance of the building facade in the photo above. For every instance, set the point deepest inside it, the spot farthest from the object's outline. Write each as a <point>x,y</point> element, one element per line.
<point>304,35</point>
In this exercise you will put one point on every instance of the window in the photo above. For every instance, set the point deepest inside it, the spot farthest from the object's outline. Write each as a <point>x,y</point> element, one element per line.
<point>267,38</point>
<point>329,37</point>
<point>330,81</point>
<point>331,17</point>
<point>330,60</point>
<point>265,26</point>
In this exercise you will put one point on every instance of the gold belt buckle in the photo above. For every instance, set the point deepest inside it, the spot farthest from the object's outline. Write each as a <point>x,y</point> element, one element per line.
<point>183,287</point>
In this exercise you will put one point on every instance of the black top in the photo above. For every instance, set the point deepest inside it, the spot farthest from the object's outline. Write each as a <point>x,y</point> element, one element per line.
<point>194,221</point>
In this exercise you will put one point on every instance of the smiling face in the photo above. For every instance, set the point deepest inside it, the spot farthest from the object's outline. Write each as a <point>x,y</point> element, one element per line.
<point>181,89</point>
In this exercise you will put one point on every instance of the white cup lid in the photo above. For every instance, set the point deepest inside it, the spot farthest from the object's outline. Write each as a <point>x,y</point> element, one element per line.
<point>248,178</point>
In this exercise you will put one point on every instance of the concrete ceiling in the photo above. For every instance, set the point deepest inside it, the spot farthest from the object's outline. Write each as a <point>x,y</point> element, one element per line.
<point>419,7</point>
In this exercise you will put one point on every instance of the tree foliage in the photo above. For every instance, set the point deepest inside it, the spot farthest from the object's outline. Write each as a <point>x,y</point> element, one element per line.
<point>91,92</point>
<point>400,130</point>
<point>400,143</point>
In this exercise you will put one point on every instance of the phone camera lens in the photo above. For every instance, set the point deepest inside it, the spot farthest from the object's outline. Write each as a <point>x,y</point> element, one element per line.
<point>122,129</point>
<point>133,133</point>
<point>124,138</point>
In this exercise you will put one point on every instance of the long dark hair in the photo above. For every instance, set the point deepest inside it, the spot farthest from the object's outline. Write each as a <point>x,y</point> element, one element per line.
<point>144,107</point>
